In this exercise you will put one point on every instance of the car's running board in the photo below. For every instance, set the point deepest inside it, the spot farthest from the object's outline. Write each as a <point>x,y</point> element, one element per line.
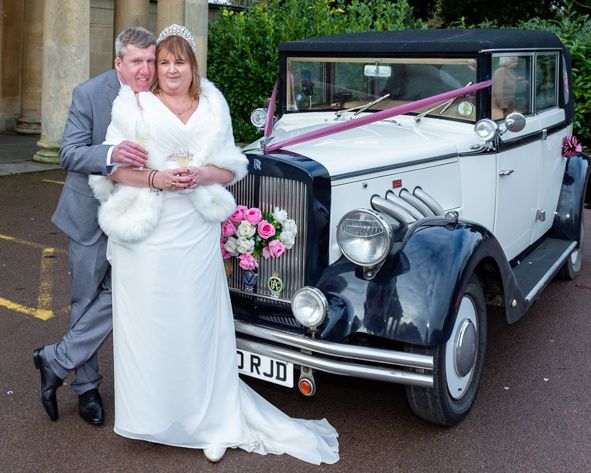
<point>535,271</point>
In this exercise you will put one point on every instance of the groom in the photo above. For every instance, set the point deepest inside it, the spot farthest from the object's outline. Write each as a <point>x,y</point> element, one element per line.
<point>82,154</point>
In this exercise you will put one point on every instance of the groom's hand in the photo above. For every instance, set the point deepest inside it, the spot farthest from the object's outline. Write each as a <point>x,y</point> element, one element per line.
<point>130,154</point>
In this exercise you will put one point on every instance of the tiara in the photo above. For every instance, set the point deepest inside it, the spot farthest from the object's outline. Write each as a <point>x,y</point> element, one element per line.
<point>177,30</point>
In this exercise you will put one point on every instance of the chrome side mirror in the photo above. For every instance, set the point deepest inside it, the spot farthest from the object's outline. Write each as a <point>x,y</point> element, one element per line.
<point>515,122</point>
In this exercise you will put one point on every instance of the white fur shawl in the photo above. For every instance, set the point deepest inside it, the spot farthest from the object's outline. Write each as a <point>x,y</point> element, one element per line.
<point>130,214</point>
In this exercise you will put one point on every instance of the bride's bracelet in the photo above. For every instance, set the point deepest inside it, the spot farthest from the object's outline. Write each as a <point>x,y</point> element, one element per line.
<point>151,177</point>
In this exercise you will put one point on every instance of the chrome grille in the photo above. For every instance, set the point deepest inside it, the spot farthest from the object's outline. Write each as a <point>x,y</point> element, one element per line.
<point>291,196</point>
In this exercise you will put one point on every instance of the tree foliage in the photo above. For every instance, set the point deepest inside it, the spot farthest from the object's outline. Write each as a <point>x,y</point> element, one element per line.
<point>444,13</point>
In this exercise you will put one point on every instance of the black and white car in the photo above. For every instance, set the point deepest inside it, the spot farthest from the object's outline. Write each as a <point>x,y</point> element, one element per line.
<point>431,174</point>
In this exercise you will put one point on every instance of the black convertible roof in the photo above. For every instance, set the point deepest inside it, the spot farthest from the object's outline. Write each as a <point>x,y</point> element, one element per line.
<point>426,41</point>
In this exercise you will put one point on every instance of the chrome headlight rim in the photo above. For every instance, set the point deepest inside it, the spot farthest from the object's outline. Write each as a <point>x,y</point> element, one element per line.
<point>491,127</point>
<point>319,297</point>
<point>385,225</point>
<point>258,117</point>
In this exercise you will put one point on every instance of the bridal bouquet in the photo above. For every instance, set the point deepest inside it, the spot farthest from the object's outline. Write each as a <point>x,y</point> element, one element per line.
<point>249,234</point>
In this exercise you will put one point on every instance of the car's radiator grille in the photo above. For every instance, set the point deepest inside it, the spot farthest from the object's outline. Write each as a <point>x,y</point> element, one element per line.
<point>291,196</point>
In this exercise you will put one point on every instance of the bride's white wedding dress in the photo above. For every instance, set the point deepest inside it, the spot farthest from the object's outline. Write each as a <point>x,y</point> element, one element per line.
<point>176,377</point>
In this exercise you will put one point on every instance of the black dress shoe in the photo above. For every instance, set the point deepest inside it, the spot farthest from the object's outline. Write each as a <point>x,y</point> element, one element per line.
<point>90,407</point>
<point>49,383</point>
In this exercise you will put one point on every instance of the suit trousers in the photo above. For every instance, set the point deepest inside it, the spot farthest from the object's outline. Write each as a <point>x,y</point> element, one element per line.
<point>91,316</point>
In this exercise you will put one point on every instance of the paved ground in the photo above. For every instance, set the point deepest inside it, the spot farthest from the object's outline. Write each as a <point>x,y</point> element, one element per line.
<point>16,152</point>
<point>533,412</point>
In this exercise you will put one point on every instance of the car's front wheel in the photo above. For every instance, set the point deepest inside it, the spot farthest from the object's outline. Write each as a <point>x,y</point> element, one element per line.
<point>457,364</point>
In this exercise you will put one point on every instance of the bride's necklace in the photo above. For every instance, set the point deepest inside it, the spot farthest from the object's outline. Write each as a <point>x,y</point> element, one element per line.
<point>172,108</point>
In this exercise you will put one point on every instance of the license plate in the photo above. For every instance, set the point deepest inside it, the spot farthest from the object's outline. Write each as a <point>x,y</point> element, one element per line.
<point>265,368</point>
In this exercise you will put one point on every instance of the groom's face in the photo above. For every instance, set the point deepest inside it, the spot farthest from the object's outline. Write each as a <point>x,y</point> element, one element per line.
<point>136,67</point>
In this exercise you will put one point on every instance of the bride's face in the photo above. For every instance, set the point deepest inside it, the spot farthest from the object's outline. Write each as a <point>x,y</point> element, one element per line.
<point>174,74</point>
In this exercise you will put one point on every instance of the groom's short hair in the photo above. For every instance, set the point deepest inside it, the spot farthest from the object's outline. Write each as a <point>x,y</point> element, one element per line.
<point>136,36</point>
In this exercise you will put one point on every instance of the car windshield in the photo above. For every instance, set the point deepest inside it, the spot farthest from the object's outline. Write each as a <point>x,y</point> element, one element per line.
<point>333,84</point>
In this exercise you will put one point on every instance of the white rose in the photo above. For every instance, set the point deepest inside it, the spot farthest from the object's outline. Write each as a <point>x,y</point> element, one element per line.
<point>245,229</point>
<point>245,245</point>
<point>288,239</point>
<point>290,226</point>
<point>231,246</point>
<point>279,215</point>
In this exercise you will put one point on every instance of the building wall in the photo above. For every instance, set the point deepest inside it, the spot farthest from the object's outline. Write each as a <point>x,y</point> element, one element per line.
<point>11,32</point>
<point>102,36</point>
<point>11,45</point>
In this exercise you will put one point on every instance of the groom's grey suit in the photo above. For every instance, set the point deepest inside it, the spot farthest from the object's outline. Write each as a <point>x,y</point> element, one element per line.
<point>82,154</point>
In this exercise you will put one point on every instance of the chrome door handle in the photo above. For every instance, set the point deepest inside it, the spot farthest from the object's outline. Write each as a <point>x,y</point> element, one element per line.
<point>505,172</point>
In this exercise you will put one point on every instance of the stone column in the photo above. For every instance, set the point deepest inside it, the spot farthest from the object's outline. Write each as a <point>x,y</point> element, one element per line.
<point>169,12</point>
<point>32,68</point>
<point>196,16</point>
<point>131,13</point>
<point>66,50</point>
<point>191,13</point>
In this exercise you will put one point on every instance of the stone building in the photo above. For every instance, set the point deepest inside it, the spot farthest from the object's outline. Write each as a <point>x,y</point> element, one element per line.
<point>50,46</point>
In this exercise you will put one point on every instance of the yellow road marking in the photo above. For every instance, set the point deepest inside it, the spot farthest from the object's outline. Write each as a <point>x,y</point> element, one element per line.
<point>44,297</point>
<point>31,244</point>
<point>45,280</point>
<point>52,181</point>
<point>42,314</point>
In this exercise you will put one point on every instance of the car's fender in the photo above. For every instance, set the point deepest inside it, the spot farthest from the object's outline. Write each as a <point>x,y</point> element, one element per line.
<point>415,295</point>
<point>569,211</point>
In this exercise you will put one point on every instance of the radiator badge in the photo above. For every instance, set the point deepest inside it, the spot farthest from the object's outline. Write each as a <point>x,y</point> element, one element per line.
<point>256,164</point>
<point>275,284</point>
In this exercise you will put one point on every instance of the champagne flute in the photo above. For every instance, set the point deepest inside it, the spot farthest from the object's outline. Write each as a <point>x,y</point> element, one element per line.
<point>183,159</point>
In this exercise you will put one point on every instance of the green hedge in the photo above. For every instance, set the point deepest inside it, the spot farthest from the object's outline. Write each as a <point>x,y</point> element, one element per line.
<point>243,58</point>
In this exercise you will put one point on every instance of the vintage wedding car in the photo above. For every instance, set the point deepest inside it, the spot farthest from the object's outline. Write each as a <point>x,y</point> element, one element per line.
<point>431,175</point>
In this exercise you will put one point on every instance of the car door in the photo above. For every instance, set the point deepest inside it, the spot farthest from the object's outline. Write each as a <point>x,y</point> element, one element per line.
<point>519,156</point>
<point>548,115</point>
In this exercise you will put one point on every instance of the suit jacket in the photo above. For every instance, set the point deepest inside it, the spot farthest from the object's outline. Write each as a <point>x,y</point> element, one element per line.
<point>82,154</point>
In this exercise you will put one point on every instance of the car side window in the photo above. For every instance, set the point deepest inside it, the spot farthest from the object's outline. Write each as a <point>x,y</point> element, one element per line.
<point>546,81</point>
<point>511,85</point>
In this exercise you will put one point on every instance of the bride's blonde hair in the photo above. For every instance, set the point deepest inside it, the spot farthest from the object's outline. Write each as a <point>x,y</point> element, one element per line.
<point>179,48</point>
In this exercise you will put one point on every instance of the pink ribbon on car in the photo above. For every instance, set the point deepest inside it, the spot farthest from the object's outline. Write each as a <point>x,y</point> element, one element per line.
<point>365,120</point>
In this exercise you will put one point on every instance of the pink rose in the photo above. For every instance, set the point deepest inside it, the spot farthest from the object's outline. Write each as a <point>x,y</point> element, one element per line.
<point>274,249</point>
<point>248,262</point>
<point>266,230</point>
<point>253,216</point>
<point>228,228</point>
<point>239,214</point>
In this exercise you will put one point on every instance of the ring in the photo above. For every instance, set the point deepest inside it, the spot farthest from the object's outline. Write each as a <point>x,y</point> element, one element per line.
<point>173,184</point>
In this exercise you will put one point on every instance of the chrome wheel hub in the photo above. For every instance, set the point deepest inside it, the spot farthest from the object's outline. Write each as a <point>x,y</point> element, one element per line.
<point>465,348</point>
<point>461,350</point>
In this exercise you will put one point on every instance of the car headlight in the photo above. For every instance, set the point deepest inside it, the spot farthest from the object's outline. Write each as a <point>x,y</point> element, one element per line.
<point>309,306</point>
<point>258,117</point>
<point>364,236</point>
<point>486,129</point>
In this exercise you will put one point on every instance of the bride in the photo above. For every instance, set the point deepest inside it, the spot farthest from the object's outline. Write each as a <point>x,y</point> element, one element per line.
<point>176,378</point>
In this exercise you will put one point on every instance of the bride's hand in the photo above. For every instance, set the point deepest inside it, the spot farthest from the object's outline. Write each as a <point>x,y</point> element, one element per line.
<point>173,179</point>
<point>208,174</point>
<point>197,174</point>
